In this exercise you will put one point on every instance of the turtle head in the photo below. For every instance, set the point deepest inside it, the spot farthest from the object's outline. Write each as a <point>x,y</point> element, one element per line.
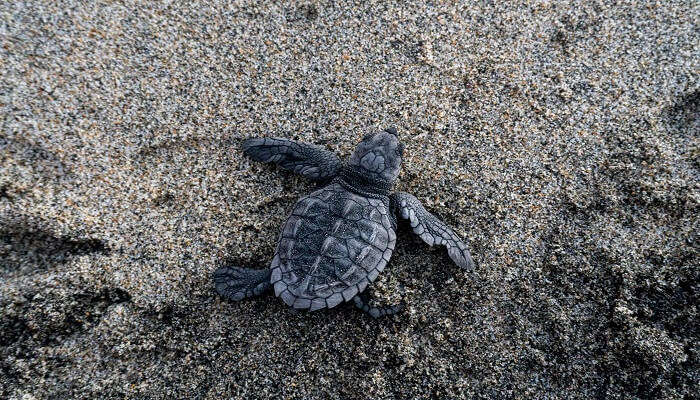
<point>378,156</point>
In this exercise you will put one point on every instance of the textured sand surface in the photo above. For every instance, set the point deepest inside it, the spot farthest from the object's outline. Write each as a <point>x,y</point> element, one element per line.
<point>560,139</point>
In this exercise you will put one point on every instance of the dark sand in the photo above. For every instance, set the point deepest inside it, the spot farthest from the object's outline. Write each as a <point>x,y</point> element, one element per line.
<point>560,140</point>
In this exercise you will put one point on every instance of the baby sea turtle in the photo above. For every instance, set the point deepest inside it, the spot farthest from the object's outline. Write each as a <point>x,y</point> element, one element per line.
<point>340,237</point>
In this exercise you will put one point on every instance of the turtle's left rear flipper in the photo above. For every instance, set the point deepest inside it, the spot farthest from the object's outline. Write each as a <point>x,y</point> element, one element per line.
<point>236,283</point>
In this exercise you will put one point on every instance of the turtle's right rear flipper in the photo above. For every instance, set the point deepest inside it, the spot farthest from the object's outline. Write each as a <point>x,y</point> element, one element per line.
<point>362,302</point>
<point>236,283</point>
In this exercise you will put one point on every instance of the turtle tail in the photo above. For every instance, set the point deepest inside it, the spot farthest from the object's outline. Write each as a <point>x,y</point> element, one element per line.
<point>236,283</point>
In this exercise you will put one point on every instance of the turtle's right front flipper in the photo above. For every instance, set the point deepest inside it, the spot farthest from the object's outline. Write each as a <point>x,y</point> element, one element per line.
<point>431,229</point>
<point>312,161</point>
<point>236,283</point>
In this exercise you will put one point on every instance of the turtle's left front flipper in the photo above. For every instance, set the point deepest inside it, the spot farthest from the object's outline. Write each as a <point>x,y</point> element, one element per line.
<point>310,160</point>
<point>431,229</point>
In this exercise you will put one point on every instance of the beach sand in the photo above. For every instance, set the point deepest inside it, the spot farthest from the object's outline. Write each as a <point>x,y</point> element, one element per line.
<point>559,139</point>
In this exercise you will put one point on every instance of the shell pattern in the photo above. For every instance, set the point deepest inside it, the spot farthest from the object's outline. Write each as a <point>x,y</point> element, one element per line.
<point>331,247</point>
